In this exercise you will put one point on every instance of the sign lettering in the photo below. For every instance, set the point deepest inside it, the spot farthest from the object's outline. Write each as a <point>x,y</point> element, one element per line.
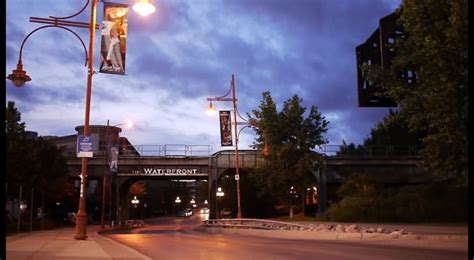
<point>164,172</point>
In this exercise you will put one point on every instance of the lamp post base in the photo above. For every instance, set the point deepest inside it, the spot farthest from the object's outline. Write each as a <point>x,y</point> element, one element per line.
<point>81,226</point>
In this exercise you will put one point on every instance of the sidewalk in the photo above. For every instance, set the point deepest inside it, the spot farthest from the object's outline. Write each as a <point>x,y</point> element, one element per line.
<point>60,244</point>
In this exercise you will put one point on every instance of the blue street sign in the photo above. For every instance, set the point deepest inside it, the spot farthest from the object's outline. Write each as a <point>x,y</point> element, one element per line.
<point>85,146</point>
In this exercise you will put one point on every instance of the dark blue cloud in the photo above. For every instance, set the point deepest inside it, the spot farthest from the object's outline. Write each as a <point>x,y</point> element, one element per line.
<point>189,50</point>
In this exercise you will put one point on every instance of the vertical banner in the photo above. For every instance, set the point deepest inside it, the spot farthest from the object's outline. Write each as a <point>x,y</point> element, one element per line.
<point>225,127</point>
<point>114,38</point>
<point>114,159</point>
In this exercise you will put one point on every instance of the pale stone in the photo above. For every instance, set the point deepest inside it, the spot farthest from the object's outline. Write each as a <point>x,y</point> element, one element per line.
<point>395,234</point>
<point>352,228</point>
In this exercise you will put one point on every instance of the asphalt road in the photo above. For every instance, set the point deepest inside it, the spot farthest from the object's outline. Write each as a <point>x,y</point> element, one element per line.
<point>175,238</point>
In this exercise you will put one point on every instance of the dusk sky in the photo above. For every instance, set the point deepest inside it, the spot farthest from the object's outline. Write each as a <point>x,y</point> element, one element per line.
<point>187,51</point>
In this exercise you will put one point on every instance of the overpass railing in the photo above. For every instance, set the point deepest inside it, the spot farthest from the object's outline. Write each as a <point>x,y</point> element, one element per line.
<point>182,150</point>
<point>167,150</point>
<point>369,151</point>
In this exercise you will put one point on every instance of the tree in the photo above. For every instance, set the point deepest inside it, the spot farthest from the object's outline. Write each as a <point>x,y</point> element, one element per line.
<point>350,149</point>
<point>290,138</point>
<point>358,184</point>
<point>18,148</point>
<point>393,130</point>
<point>391,136</point>
<point>14,128</point>
<point>138,189</point>
<point>32,163</point>
<point>436,103</point>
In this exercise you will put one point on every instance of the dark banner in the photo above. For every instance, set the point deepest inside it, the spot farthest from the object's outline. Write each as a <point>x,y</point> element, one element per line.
<point>114,38</point>
<point>225,127</point>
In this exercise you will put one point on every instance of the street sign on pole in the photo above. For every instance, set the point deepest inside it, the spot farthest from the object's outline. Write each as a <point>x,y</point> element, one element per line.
<point>85,146</point>
<point>236,177</point>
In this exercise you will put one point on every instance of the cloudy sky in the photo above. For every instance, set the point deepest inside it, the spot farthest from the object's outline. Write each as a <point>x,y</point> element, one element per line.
<point>186,52</point>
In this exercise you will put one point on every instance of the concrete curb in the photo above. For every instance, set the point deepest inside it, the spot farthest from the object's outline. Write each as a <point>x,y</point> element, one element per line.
<point>98,233</point>
<point>329,235</point>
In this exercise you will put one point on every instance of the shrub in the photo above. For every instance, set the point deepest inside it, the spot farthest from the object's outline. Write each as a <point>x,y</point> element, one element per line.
<point>435,202</point>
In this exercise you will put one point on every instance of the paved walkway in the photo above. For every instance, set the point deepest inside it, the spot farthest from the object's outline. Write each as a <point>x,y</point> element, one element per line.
<point>60,244</point>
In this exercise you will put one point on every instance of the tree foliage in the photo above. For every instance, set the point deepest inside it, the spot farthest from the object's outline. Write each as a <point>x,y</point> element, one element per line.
<point>289,135</point>
<point>138,189</point>
<point>358,184</point>
<point>32,163</point>
<point>436,49</point>
<point>392,136</point>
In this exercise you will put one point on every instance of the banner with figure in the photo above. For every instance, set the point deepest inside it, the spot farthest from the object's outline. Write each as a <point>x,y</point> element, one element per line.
<point>114,38</point>
<point>226,130</point>
<point>114,159</point>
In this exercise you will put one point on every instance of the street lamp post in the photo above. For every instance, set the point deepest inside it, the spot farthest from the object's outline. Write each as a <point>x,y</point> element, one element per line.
<point>219,194</point>
<point>293,195</point>
<point>233,99</point>
<point>177,201</point>
<point>135,202</point>
<point>19,77</point>
<point>105,181</point>
<point>248,123</point>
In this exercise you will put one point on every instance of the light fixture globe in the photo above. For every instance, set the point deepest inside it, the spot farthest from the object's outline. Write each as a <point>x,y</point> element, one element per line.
<point>211,109</point>
<point>18,76</point>
<point>128,123</point>
<point>144,7</point>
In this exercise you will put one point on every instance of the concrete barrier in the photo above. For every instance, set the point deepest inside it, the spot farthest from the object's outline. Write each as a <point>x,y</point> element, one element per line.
<point>129,223</point>
<point>272,228</point>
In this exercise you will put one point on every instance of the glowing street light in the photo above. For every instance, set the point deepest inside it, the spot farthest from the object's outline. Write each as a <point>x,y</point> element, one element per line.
<point>135,201</point>
<point>211,109</point>
<point>219,195</point>
<point>219,192</point>
<point>144,7</point>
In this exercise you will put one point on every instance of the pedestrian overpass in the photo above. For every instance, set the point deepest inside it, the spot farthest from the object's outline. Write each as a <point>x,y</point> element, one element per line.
<point>195,162</point>
<point>182,162</point>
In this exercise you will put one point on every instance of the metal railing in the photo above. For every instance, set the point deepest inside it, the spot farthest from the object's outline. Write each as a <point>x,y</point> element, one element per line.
<point>369,151</point>
<point>167,150</point>
<point>248,223</point>
<point>182,150</point>
<point>129,223</point>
